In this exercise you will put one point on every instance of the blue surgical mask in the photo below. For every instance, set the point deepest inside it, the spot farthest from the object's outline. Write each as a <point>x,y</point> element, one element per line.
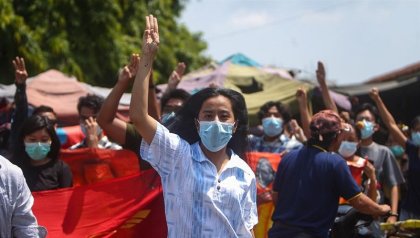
<point>415,137</point>
<point>347,148</point>
<point>397,150</point>
<point>214,134</point>
<point>367,130</point>
<point>272,126</point>
<point>166,117</point>
<point>84,130</point>
<point>37,150</point>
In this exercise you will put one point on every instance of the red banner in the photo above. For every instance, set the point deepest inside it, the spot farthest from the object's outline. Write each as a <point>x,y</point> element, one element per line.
<point>110,198</point>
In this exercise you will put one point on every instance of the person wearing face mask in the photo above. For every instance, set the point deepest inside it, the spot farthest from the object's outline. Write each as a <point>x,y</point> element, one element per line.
<point>37,155</point>
<point>358,165</point>
<point>171,102</point>
<point>410,206</point>
<point>209,190</point>
<point>309,182</point>
<point>277,137</point>
<point>388,173</point>
<point>88,108</point>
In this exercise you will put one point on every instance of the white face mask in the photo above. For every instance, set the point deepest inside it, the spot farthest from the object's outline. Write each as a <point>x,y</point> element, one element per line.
<point>84,130</point>
<point>347,148</point>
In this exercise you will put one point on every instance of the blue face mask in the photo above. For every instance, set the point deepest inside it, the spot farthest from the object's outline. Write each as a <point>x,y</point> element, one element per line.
<point>272,126</point>
<point>415,137</point>
<point>367,130</point>
<point>37,150</point>
<point>215,135</point>
<point>166,117</point>
<point>347,148</point>
<point>397,150</point>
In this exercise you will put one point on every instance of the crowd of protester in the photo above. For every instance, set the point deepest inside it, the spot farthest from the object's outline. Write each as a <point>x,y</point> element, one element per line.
<point>198,144</point>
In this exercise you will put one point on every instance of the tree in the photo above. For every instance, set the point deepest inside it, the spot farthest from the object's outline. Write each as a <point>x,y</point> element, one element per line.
<point>92,39</point>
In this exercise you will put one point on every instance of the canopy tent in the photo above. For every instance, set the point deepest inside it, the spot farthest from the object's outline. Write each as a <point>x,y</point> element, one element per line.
<point>61,92</point>
<point>401,96</point>
<point>257,84</point>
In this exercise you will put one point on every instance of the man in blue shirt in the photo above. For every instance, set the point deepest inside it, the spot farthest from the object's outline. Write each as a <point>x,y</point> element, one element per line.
<point>309,182</point>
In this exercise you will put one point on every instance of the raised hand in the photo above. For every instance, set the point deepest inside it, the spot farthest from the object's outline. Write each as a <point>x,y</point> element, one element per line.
<point>301,95</point>
<point>374,94</point>
<point>92,132</point>
<point>369,170</point>
<point>320,73</point>
<point>129,71</point>
<point>297,131</point>
<point>176,76</point>
<point>150,36</point>
<point>20,70</point>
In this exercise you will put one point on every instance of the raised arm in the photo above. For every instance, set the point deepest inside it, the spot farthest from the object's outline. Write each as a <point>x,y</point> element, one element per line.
<point>305,116</point>
<point>145,124</point>
<point>387,118</point>
<point>326,97</point>
<point>114,127</point>
<point>175,77</point>
<point>21,100</point>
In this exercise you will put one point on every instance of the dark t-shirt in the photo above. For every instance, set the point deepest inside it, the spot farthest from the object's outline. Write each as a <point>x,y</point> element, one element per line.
<point>53,175</point>
<point>411,202</point>
<point>309,183</point>
<point>133,142</point>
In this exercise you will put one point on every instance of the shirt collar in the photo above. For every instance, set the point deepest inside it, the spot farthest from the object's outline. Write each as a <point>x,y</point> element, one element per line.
<point>199,156</point>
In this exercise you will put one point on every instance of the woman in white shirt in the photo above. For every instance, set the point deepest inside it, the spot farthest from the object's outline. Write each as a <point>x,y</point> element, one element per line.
<point>209,190</point>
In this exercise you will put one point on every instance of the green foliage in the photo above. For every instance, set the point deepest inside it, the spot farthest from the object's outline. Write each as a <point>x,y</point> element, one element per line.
<point>92,39</point>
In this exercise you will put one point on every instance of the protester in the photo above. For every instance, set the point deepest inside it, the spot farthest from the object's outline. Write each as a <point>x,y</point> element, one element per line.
<point>278,134</point>
<point>20,100</point>
<point>171,103</point>
<point>37,154</point>
<point>410,207</point>
<point>124,133</point>
<point>388,173</point>
<point>209,191</point>
<point>21,111</point>
<point>17,219</point>
<point>358,166</point>
<point>88,108</point>
<point>309,182</point>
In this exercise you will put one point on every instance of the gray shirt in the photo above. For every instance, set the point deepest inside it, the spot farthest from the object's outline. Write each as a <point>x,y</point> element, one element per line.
<point>16,217</point>
<point>388,172</point>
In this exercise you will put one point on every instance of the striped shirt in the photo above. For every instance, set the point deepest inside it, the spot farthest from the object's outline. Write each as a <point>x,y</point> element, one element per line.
<point>199,202</point>
<point>103,143</point>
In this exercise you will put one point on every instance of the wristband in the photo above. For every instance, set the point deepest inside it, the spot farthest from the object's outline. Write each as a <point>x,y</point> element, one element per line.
<point>392,214</point>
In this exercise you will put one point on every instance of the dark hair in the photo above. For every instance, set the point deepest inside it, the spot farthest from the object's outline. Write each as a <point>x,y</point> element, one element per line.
<point>30,125</point>
<point>42,109</point>
<point>90,101</point>
<point>184,123</point>
<point>177,94</point>
<point>283,110</point>
<point>371,108</point>
<point>415,122</point>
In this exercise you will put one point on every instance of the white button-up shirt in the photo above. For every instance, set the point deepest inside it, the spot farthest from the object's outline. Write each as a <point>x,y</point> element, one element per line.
<point>198,201</point>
